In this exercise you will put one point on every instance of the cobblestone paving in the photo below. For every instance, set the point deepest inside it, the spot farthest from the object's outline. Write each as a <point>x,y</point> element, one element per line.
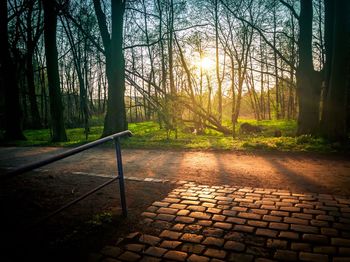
<point>223,223</point>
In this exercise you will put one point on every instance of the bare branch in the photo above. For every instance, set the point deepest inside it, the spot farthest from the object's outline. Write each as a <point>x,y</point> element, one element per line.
<point>142,45</point>
<point>89,36</point>
<point>141,12</point>
<point>163,37</point>
<point>261,34</point>
<point>291,8</point>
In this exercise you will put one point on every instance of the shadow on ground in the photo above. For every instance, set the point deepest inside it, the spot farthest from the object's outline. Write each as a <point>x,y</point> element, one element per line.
<point>81,229</point>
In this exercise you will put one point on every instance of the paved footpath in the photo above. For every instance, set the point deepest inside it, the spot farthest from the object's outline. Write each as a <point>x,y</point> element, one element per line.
<point>224,223</point>
<point>297,172</point>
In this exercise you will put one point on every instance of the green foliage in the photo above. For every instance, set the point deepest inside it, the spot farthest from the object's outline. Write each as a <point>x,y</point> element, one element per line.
<point>76,136</point>
<point>149,135</point>
<point>100,219</point>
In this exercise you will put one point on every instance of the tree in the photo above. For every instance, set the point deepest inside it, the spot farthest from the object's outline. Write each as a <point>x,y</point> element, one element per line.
<point>77,59</point>
<point>275,56</point>
<point>238,42</point>
<point>308,80</point>
<point>56,107</point>
<point>115,119</point>
<point>172,101</point>
<point>161,45</point>
<point>218,77</point>
<point>8,82</point>
<point>32,34</point>
<point>337,55</point>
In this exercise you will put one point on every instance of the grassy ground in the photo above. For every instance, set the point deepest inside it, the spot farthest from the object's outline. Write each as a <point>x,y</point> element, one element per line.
<point>149,135</point>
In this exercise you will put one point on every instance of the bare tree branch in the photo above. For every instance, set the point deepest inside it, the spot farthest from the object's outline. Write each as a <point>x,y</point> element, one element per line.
<point>89,36</point>
<point>260,33</point>
<point>291,8</point>
<point>141,12</point>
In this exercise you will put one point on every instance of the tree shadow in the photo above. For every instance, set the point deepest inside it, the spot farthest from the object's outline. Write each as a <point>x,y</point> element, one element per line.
<point>14,157</point>
<point>295,180</point>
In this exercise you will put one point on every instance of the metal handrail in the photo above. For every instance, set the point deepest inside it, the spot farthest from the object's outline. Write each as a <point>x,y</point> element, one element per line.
<point>114,137</point>
<point>65,154</point>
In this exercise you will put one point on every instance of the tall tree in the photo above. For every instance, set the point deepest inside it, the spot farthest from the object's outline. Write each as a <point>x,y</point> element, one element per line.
<point>150,55</point>
<point>172,102</point>
<point>32,34</point>
<point>308,80</point>
<point>8,82</point>
<point>56,107</point>
<point>115,119</point>
<point>82,84</point>
<point>275,56</point>
<point>337,55</point>
<point>328,33</point>
<point>217,67</point>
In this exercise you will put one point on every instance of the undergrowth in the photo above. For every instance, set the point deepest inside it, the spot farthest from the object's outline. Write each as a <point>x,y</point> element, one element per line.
<point>149,135</point>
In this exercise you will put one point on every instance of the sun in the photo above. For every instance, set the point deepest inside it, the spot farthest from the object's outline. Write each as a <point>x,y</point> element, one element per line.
<point>206,63</point>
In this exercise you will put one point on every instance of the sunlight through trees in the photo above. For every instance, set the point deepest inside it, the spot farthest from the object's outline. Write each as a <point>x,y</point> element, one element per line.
<point>198,64</point>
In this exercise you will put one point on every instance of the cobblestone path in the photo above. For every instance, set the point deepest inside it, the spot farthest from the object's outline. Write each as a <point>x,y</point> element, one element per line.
<point>223,223</point>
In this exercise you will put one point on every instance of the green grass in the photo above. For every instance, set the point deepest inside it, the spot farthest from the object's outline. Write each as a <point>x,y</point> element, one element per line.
<point>148,135</point>
<point>75,136</point>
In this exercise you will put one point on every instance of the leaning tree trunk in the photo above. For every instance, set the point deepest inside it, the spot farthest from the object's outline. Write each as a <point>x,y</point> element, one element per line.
<point>8,82</point>
<point>56,107</point>
<point>308,80</point>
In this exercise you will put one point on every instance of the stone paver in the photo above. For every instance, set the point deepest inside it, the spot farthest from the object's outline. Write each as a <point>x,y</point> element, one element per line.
<point>223,223</point>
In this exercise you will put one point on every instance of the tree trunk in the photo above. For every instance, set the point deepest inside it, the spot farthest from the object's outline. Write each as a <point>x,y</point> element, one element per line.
<point>329,30</point>
<point>56,107</point>
<point>152,72</point>
<point>233,107</point>
<point>291,97</point>
<point>268,92</point>
<point>277,87</point>
<point>84,108</point>
<point>336,102</point>
<point>115,119</point>
<point>31,41</point>
<point>262,92</point>
<point>219,80</point>
<point>308,80</point>
<point>172,104</point>
<point>241,77</point>
<point>34,110</point>
<point>8,82</point>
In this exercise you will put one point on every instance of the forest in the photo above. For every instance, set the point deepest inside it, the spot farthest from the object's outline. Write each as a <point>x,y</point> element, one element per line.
<point>186,65</point>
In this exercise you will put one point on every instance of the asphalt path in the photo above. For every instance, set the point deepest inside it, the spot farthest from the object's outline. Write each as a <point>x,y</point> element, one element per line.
<point>300,172</point>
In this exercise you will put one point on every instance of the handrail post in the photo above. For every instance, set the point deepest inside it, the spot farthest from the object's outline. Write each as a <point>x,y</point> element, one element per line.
<point>120,175</point>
